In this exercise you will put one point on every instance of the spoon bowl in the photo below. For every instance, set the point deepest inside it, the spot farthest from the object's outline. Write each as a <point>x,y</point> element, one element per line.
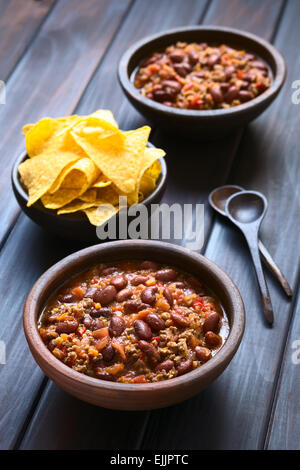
<point>218,197</point>
<point>247,207</point>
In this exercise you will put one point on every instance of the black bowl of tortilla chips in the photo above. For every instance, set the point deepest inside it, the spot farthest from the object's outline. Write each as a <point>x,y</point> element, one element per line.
<point>81,201</point>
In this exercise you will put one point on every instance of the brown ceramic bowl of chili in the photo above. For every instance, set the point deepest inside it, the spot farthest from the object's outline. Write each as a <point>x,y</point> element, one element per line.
<point>159,390</point>
<point>224,79</point>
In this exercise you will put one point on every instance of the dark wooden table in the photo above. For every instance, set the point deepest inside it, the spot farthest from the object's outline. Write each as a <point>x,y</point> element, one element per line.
<point>60,57</point>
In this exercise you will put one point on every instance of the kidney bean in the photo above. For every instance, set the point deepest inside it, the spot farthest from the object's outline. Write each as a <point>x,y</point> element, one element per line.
<point>182,69</point>
<point>149,61</point>
<point>102,374</point>
<point>168,296</point>
<point>139,279</point>
<point>67,327</point>
<point>199,74</point>
<point>179,285</point>
<point>229,71</point>
<point>193,57</point>
<point>259,65</point>
<point>177,56</point>
<point>217,95</point>
<point>101,312</point>
<point>211,322</point>
<point>184,367</point>
<point>245,96</point>
<point>249,56</point>
<point>143,306</point>
<point>179,320</point>
<point>148,295</point>
<point>124,294</point>
<point>131,306</point>
<point>155,322</point>
<point>108,353</point>
<point>67,299</point>
<point>213,59</point>
<point>117,326</point>
<point>212,340</point>
<point>142,330</point>
<point>91,291</point>
<point>244,85</point>
<point>249,77</point>
<point>109,270</point>
<point>166,275</point>
<point>51,345</point>
<point>224,86</point>
<point>173,85</point>
<point>106,295</point>
<point>149,265</point>
<point>231,94</point>
<point>119,281</point>
<point>87,321</point>
<point>149,350</point>
<point>96,324</point>
<point>166,365</point>
<point>162,95</point>
<point>202,354</point>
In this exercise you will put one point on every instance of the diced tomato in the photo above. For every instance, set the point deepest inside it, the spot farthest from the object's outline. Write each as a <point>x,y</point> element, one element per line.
<point>153,68</point>
<point>198,302</point>
<point>156,338</point>
<point>119,346</point>
<point>140,379</point>
<point>101,333</point>
<point>81,330</point>
<point>78,292</point>
<point>101,343</point>
<point>240,74</point>
<point>115,369</point>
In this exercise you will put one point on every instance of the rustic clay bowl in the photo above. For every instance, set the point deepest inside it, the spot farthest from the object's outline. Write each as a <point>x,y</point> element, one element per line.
<point>134,396</point>
<point>73,226</point>
<point>210,124</point>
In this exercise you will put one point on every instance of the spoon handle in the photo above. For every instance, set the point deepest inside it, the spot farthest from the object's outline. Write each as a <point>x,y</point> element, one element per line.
<point>264,291</point>
<point>275,269</point>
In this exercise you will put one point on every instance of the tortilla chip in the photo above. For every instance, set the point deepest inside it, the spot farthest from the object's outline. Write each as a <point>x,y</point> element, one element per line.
<point>39,173</point>
<point>75,182</point>
<point>98,216</point>
<point>118,161</point>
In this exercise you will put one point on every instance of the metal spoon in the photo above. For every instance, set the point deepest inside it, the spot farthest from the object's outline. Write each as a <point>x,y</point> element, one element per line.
<point>217,200</point>
<point>246,210</point>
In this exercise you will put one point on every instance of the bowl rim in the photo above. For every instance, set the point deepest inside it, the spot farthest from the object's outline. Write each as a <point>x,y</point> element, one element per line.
<point>17,186</point>
<point>127,85</point>
<point>39,290</point>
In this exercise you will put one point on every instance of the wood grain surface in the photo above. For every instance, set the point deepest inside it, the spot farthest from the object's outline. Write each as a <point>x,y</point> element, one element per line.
<point>67,66</point>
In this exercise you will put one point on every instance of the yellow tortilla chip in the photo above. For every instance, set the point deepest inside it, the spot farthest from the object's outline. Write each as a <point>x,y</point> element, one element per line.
<point>105,115</point>
<point>118,161</point>
<point>148,181</point>
<point>98,216</point>
<point>76,181</point>
<point>39,173</point>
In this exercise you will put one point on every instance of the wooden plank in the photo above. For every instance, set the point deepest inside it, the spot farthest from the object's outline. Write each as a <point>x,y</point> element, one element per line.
<point>284,427</point>
<point>73,50</point>
<point>41,432</point>
<point>51,78</point>
<point>234,411</point>
<point>19,23</point>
